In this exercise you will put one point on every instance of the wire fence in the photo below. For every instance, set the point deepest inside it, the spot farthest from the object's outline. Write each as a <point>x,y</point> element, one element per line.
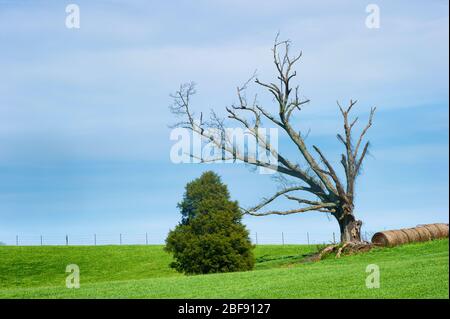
<point>257,238</point>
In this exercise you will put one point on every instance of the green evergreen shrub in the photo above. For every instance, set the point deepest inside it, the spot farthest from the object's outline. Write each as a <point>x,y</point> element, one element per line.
<point>210,237</point>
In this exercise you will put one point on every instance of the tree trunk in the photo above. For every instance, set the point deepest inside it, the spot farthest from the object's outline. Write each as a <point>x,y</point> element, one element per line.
<point>350,229</point>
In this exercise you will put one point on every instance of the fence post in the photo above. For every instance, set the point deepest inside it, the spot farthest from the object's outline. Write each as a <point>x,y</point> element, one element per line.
<point>256,237</point>
<point>307,237</point>
<point>67,240</point>
<point>95,239</point>
<point>282,238</point>
<point>41,240</point>
<point>120,239</point>
<point>146,238</point>
<point>17,240</point>
<point>334,238</point>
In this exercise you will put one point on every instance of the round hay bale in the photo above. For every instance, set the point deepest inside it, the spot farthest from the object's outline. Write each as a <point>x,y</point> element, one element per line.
<point>424,233</point>
<point>400,237</point>
<point>443,230</point>
<point>412,234</point>
<point>389,238</point>
<point>380,239</point>
<point>434,230</point>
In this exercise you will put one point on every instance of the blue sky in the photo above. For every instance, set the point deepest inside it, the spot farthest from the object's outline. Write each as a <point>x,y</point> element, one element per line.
<point>84,137</point>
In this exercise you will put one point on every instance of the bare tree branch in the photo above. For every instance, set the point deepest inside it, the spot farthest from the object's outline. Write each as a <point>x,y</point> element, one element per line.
<point>268,200</point>
<point>331,172</point>
<point>369,124</point>
<point>293,211</point>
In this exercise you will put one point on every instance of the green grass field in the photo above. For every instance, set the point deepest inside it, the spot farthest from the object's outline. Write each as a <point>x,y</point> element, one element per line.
<point>409,271</point>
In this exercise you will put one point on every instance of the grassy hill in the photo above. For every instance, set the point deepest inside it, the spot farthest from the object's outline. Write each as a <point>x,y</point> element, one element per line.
<point>409,271</point>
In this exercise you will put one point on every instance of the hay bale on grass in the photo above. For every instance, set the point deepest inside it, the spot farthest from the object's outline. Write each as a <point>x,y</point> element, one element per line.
<point>437,230</point>
<point>424,233</point>
<point>412,234</point>
<point>420,233</point>
<point>390,238</point>
<point>443,229</point>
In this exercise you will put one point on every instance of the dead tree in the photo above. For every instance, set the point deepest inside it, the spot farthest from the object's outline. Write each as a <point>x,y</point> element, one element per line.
<point>316,175</point>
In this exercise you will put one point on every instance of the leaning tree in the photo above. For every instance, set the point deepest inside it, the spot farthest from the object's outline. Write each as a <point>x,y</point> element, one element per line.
<point>312,172</point>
